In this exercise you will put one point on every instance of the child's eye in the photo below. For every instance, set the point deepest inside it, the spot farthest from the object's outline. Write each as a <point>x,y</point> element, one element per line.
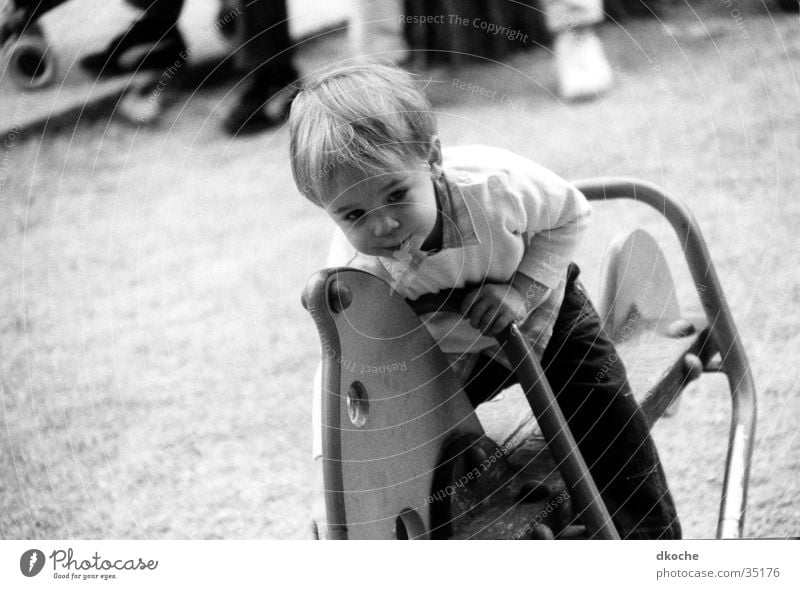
<point>397,195</point>
<point>354,215</point>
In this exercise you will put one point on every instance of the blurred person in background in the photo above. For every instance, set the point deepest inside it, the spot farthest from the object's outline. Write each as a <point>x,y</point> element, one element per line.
<point>262,52</point>
<point>582,68</point>
<point>581,64</point>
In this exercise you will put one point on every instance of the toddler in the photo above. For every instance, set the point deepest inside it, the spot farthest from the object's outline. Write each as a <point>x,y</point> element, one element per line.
<point>364,147</point>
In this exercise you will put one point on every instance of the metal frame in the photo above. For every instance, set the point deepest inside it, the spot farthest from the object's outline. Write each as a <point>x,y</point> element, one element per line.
<point>721,331</point>
<point>724,336</point>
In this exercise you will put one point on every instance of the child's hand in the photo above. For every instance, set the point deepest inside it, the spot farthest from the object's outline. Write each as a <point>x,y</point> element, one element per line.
<point>492,307</point>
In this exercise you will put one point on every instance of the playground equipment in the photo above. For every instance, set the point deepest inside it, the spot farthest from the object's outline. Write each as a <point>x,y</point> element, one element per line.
<point>30,64</point>
<point>28,59</point>
<point>405,456</point>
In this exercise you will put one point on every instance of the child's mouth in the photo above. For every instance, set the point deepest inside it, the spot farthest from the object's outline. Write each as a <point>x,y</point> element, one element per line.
<point>408,251</point>
<point>404,245</point>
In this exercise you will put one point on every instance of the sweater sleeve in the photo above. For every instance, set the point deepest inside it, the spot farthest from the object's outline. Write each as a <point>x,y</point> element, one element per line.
<point>554,214</point>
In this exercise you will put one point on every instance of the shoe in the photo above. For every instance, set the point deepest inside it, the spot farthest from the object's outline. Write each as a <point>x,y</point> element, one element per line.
<point>583,70</point>
<point>264,103</point>
<point>144,46</point>
<point>142,104</point>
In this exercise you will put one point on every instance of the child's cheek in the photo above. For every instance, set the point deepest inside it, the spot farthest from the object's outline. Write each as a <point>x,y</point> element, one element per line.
<point>359,242</point>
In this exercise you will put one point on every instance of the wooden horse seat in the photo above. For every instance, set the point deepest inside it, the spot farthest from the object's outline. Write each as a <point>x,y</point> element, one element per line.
<point>407,455</point>
<point>404,454</point>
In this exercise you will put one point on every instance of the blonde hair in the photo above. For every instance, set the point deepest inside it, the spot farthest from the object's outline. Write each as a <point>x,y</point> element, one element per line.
<point>365,118</point>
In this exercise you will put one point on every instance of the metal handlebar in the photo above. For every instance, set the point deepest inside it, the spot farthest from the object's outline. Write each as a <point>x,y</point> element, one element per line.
<point>723,333</point>
<point>551,420</point>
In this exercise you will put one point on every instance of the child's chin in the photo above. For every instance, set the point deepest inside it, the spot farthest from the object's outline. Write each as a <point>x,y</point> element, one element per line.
<point>378,252</point>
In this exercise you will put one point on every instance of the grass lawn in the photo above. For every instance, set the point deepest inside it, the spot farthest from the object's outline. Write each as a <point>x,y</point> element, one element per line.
<point>154,357</point>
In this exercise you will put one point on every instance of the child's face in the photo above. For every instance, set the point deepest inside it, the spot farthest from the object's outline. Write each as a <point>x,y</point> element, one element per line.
<point>383,213</point>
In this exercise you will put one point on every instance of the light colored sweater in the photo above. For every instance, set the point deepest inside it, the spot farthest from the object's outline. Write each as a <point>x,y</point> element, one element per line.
<point>503,214</point>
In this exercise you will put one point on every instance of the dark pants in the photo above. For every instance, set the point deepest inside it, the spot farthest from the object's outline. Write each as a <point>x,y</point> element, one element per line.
<point>592,390</point>
<point>161,12</point>
<point>262,41</point>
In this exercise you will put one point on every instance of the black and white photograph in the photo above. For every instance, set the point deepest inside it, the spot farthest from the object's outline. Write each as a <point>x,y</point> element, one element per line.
<point>399,269</point>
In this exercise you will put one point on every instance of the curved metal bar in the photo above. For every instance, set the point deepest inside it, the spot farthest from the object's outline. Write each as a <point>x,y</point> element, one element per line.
<point>560,441</point>
<point>723,332</point>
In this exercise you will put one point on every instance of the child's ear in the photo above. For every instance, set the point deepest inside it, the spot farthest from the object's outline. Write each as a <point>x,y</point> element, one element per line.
<point>435,153</point>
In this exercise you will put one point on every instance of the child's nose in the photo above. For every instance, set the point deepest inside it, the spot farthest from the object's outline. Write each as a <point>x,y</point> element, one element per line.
<point>385,224</point>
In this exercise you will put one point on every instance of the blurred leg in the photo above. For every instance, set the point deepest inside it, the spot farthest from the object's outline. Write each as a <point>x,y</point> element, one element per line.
<point>591,387</point>
<point>375,30</point>
<point>562,15</point>
<point>583,70</point>
<point>152,41</point>
<point>167,11</point>
<point>264,54</point>
<point>262,41</point>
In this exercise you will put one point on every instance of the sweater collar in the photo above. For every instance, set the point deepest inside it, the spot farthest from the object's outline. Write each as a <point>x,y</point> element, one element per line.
<point>458,228</point>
